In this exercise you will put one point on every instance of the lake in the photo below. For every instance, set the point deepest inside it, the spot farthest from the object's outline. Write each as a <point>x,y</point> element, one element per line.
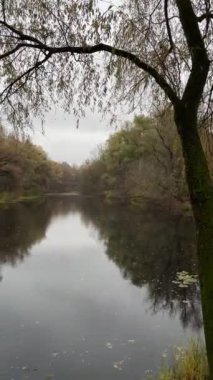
<point>92,292</point>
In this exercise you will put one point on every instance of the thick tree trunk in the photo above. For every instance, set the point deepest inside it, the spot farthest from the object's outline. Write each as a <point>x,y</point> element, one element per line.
<point>201,194</point>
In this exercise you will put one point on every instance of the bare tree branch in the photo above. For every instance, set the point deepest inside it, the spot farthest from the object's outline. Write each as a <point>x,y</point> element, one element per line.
<point>21,35</point>
<point>91,50</point>
<point>18,47</point>
<point>205,16</point>
<point>168,26</point>
<point>107,48</point>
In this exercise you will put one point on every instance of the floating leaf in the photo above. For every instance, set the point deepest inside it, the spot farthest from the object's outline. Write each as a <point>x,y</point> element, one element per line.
<point>119,365</point>
<point>109,345</point>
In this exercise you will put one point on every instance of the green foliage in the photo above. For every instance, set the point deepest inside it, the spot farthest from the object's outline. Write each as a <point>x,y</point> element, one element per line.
<point>63,177</point>
<point>143,159</point>
<point>26,169</point>
<point>50,52</point>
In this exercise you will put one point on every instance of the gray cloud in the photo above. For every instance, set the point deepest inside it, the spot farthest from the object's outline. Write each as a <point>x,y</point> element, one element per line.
<point>64,142</point>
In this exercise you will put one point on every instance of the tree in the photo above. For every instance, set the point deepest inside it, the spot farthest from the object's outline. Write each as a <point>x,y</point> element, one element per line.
<point>141,160</point>
<point>159,46</point>
<point>144,159</point>
<point>26,169</point>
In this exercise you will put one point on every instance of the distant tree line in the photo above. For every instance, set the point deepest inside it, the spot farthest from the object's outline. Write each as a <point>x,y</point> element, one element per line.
<point>26,169</point>
<point>142,159</point>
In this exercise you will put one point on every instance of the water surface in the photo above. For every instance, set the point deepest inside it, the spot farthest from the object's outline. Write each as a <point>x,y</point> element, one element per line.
<point>89,292</point>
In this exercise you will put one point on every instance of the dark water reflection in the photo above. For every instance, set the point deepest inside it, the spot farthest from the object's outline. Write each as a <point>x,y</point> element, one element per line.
<point>88,291</point>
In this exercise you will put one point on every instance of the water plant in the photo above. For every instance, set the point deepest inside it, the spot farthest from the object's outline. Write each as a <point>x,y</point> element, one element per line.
<point>190,363</point>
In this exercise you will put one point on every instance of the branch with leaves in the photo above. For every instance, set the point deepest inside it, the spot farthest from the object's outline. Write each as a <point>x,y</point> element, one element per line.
<point>40,27</point>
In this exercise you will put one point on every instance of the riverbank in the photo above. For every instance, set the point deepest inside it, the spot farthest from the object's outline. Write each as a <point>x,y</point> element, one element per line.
<point>189,364</point>
<point>137,204</point>
<point>6,198</point>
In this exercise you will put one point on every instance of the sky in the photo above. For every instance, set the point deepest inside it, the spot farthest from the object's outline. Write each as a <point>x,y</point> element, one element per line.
<point>63,141</point>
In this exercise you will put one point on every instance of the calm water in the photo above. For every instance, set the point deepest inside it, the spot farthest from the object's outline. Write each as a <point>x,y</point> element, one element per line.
<point>87,292</point>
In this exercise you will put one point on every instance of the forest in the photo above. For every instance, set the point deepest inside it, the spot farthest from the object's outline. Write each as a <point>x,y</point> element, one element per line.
<point>141,160</point>
<point>26,170</point>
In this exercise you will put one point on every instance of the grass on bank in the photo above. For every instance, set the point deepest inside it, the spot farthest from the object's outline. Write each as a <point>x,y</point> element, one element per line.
<point>189,364</point>
<point>13,198</point>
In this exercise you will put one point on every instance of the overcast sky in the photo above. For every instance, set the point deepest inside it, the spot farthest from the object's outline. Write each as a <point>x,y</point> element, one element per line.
<point>64,142</point>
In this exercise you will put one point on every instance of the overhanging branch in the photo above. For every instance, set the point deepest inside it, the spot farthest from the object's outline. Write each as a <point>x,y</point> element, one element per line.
<point>205,16</point>
<point>7,91</point>
<point>16,48</point>
<point>22,36</point>
<point>125,54</point>
<point>87,49</point>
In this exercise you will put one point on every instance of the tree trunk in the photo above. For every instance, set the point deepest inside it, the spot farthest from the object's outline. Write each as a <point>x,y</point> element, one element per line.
<point>201,195</point>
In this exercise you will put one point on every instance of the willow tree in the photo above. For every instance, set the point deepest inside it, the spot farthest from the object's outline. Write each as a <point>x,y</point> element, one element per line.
<point>82,53</point>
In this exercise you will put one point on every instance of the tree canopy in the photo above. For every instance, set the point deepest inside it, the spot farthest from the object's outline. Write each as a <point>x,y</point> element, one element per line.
<point>141,160</point>
<point>49,50</point>
<point>26,169</point>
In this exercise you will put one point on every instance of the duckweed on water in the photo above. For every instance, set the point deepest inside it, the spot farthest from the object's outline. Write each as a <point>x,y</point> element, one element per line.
<point>189,364</point>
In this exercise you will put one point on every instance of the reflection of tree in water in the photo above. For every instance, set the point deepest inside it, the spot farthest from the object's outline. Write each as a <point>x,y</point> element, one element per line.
<point>150,248</point>
<point>21,226</point>
<point>24,224</point>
